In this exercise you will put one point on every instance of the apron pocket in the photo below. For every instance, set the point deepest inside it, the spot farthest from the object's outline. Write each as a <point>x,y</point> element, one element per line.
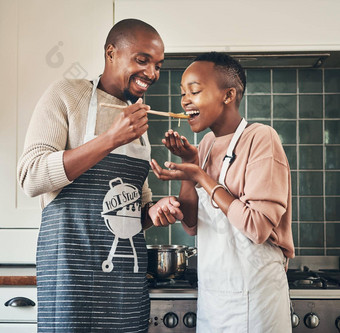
<point>222,311</point>
<point>121,302</point>
<point>65,301</point>
<point>78,293</point>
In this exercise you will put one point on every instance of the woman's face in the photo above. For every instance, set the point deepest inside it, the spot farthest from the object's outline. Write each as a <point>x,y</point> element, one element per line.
<point>202,98</point>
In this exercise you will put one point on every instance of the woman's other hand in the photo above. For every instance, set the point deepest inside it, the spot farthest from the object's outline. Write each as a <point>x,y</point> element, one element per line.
<point>184,171</point>
<point>180,146</point>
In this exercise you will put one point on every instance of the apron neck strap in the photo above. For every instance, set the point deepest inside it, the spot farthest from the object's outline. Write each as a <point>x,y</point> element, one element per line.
<point>229,157</point>
<point>92,113</point>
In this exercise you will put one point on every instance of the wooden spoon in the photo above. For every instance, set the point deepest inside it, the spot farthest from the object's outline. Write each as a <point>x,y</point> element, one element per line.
<point>158,113</point>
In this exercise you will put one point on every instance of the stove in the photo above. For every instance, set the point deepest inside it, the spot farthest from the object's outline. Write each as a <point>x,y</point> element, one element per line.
<point>314,283</point>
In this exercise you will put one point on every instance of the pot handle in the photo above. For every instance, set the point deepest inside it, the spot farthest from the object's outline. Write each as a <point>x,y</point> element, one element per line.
<point>191,251</point>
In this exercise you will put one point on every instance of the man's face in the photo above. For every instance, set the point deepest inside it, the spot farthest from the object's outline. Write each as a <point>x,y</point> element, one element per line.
<point>136,65</point>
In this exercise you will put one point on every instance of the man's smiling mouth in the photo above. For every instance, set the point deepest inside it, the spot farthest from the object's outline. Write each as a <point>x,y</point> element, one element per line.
<point>141,83</point>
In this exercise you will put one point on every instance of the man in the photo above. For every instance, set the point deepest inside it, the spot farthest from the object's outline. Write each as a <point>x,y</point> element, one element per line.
<point>90,164</point>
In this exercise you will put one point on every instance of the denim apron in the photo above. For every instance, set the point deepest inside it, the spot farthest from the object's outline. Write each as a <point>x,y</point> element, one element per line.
<point>91,254</point>
<point>242,286</point>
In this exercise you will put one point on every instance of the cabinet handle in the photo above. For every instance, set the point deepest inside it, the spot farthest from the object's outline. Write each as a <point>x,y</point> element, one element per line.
<point>20,301</point>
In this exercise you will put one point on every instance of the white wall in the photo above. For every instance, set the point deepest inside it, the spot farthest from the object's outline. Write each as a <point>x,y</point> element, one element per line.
<point>239,26</point>
<point>41,41</point>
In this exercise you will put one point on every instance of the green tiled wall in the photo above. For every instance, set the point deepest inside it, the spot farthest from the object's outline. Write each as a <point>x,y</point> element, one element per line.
<point>303,105</point>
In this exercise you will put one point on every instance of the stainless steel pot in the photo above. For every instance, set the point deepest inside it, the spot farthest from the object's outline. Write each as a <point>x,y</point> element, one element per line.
<point>168,261</point>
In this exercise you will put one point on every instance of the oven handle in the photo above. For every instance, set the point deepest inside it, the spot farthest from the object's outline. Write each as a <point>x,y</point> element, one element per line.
<point>19,301</point>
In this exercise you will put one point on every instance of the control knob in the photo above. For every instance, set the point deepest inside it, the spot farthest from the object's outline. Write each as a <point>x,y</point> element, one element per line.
<point>170,320</point>
<point>189,319</point>
<point>337,323</point>
<point>295,320</point>
<point>311,320</point>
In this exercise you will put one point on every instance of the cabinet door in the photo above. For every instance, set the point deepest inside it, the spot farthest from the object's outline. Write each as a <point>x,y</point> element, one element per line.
<point>18,328</point>
<point>243,26</point>
<point>41,41</point>
<point>18,246</point>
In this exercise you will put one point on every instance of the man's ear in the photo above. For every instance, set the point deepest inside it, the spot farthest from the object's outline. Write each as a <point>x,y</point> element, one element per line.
<point>230,95</point>
<point>109,52</point>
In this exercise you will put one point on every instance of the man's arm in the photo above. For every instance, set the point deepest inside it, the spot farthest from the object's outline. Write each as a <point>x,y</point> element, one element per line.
<point>131,123</point>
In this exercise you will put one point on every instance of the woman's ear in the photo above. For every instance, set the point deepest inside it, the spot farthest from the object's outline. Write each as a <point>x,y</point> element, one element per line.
<point>230,95</point>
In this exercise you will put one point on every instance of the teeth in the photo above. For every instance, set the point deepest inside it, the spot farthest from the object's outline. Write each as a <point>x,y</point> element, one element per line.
<point>192,112</point>
<point>142,84</point>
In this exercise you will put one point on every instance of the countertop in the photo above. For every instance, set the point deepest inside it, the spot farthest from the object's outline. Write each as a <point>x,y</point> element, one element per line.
<point>18,276</point>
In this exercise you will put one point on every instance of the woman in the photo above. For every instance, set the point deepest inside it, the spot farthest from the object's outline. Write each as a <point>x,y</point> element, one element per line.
<point>236,196</point>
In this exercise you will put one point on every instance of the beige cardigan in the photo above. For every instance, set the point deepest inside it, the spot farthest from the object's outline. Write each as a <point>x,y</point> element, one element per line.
<point>57,124</point>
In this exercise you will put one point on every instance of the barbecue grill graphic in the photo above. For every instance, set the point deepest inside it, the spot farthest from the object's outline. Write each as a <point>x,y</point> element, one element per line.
<point>121,213</point>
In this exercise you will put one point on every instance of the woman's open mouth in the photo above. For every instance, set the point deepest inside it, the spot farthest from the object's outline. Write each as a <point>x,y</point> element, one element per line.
<point>192,113</point>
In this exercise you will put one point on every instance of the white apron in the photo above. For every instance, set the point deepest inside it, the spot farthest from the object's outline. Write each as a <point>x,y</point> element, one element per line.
<point>242,286</point>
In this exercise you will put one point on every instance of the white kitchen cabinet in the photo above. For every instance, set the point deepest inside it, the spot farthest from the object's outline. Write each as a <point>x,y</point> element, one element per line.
<point>41,41</point>
<point>18,328</point>
<point>18,319</point>
<point>18,312</point>
<point>18,246</point>
<point>239,26</point>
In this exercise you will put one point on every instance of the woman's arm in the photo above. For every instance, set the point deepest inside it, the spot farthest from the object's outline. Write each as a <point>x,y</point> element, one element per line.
<point>189,203</point>
<point>192,174</point>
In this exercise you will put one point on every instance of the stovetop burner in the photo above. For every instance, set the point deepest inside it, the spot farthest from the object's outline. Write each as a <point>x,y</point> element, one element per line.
<point>170,283</point>
<point>308,279</point>
<point>188,281</point>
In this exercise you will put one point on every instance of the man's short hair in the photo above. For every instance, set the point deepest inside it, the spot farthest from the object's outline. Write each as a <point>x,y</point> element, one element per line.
<point>123,31</point>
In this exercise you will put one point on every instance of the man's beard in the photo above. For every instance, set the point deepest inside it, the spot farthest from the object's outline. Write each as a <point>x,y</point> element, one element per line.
<point>129,97</point>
